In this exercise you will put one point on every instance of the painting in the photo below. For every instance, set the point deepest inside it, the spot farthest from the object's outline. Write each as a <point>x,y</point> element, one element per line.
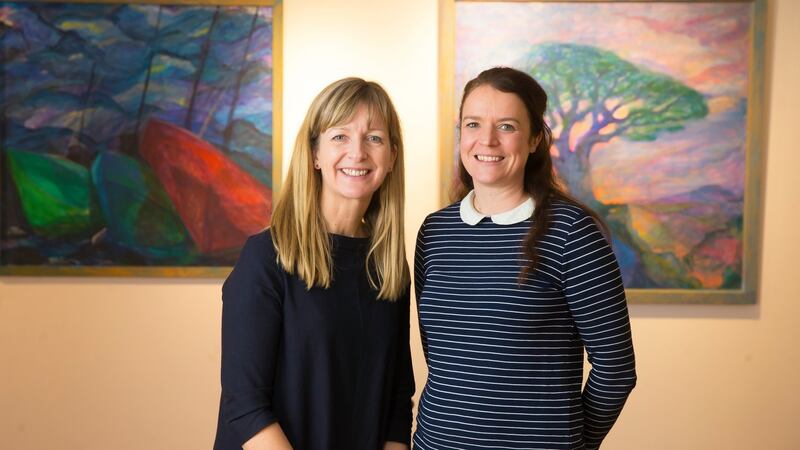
<point>656,111</point>
<point>137,139</point>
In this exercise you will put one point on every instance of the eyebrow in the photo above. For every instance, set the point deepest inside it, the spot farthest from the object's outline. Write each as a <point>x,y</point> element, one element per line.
<point>370,130</point>
<point>502,119</point>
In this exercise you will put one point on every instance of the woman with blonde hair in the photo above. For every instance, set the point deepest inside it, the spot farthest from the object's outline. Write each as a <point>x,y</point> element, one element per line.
<point>315,351</point>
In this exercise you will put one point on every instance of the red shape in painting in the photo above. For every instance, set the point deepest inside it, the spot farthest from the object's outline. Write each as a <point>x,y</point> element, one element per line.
<point>220,203</point>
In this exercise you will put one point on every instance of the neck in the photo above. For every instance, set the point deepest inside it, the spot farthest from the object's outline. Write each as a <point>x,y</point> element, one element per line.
<point>344,216</point>
<point>490,201</point>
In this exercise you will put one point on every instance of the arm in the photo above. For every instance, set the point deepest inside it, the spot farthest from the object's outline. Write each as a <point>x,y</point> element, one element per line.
<point>270,438</point>
<point>596,298</point>
<point>251,327</point>
<point>396,440</point>
<point>399,434</point>
<point>419,282</point>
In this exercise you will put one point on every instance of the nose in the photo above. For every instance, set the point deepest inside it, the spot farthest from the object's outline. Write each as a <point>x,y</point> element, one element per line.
<point>488,136</point>
<point>357,150</point>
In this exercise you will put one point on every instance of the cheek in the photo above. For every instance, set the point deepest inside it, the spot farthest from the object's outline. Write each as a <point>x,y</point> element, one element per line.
<point>387,157</point>
<point>463,153</point>
<point>465,143</point>
<point>519,144</point>
<point>328,167</point>
<point>327,174</point>
<point>327,156</point>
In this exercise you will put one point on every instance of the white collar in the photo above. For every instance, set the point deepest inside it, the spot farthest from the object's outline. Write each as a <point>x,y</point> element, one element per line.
<point>471,216</point>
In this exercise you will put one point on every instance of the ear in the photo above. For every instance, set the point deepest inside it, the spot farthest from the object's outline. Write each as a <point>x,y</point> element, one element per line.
<point>394,157</point>
<point>314,160</point>
<point>536,140</point>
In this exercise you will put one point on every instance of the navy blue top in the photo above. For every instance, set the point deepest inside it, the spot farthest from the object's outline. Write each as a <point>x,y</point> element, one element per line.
<point>332,366</point>
<point>505,356</point>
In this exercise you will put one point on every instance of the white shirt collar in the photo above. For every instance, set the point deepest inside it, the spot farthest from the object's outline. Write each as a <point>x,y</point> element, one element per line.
<point>471,216</point>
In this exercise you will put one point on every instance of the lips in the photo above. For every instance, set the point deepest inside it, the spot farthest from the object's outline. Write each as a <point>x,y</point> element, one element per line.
<point>354,172</point>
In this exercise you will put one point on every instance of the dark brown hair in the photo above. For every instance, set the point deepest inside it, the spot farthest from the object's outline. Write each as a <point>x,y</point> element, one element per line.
<point>541,181</point>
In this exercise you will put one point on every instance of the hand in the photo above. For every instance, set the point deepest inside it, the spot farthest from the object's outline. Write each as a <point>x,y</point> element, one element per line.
<point>390,445</point>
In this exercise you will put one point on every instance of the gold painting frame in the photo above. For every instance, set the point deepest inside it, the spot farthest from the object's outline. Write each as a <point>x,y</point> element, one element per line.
<point>185,271</point>
<point>754,149</point>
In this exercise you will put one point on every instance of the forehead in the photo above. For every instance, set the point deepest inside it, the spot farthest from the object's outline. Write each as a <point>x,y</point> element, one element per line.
<point>362,114</point>
<point>486,100</point>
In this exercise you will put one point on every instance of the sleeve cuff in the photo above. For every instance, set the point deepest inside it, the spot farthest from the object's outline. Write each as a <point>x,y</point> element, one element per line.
<point>400,428</point>
<point>248,426</point>
<point>246,415</point>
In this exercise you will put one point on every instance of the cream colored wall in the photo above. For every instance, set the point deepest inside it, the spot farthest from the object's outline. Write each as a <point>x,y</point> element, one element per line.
<point>133,363</point>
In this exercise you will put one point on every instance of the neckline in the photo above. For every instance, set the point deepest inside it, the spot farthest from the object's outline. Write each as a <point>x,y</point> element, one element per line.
<point>342,241</point>
<point>472,216</point>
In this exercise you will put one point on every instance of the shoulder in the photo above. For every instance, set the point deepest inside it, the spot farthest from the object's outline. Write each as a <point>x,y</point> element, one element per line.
<point>447,215</point>
<point>565,215</point>
<point>255,275</point>
<point>568,210</point>
<point>257,259</point>
<point>258,247</point>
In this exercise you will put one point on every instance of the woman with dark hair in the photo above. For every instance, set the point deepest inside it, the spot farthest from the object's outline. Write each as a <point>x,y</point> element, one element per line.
<point>513,282</point>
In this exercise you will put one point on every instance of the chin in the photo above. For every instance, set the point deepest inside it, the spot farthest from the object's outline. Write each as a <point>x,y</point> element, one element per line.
<point>356,194</point>
<point>487,180</point>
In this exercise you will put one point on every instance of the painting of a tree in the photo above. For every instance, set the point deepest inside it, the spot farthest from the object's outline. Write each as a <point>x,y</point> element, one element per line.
<point>652,107</point>
<point>597,97</point>
<point>134,136</point>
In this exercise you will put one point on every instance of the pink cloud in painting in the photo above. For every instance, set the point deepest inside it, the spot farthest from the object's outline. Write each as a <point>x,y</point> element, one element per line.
<point>704,45</point>
<point>723,30</point>
<point>5,16</point>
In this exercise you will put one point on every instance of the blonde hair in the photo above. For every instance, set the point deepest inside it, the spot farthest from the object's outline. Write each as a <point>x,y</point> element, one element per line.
<point>298,228</point>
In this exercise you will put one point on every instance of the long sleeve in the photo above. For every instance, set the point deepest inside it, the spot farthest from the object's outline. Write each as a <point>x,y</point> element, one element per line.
<point>251,328</point>
<point>419,282</point>
<point>596,298</point>
<point>404,386</point>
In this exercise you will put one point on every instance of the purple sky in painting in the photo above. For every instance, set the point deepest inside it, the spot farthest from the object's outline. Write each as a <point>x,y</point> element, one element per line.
<point>704,45</point>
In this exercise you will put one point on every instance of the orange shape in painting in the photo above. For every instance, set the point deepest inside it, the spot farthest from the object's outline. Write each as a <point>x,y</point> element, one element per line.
<point>220,203</point>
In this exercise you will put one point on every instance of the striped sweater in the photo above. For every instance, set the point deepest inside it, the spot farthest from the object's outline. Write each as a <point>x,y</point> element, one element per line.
<point>505,358</point>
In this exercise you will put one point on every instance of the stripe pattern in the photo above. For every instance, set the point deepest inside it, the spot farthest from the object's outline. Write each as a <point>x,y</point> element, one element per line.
<point>505,357</point>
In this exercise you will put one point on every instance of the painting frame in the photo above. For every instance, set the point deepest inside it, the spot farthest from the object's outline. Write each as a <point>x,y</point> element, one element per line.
<point>176,271</point>
<point>754,150</point>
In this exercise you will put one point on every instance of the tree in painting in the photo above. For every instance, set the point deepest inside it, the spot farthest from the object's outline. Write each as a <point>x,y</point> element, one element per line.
<point>596,97</point>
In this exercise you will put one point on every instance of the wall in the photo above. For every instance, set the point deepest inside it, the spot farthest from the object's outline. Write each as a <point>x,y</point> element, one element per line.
<point>133,363</point>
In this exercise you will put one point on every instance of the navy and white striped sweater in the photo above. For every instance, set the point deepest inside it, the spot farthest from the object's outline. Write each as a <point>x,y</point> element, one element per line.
<point>505,359</point>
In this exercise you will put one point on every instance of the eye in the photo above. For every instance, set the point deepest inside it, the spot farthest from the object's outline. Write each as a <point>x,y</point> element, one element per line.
<point>338,138</point>
<point>506,127</point>
<point>375,139</point>
<point>471,125</point>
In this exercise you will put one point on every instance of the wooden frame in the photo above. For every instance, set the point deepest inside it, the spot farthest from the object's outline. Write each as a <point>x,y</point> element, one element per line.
<point>171,269</point>
<point>746,292</point>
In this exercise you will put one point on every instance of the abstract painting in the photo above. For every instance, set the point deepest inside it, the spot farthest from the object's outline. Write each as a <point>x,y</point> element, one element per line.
<point>655,109</point>
<point>137,139</point>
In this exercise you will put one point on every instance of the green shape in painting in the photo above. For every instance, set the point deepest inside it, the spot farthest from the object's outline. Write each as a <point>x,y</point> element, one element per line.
<point>139,214</point>
<point>55,193</point>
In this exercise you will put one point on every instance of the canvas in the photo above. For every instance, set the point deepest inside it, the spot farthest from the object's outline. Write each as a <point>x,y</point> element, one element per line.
<point>655,111</point>
<point>136,138</point>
